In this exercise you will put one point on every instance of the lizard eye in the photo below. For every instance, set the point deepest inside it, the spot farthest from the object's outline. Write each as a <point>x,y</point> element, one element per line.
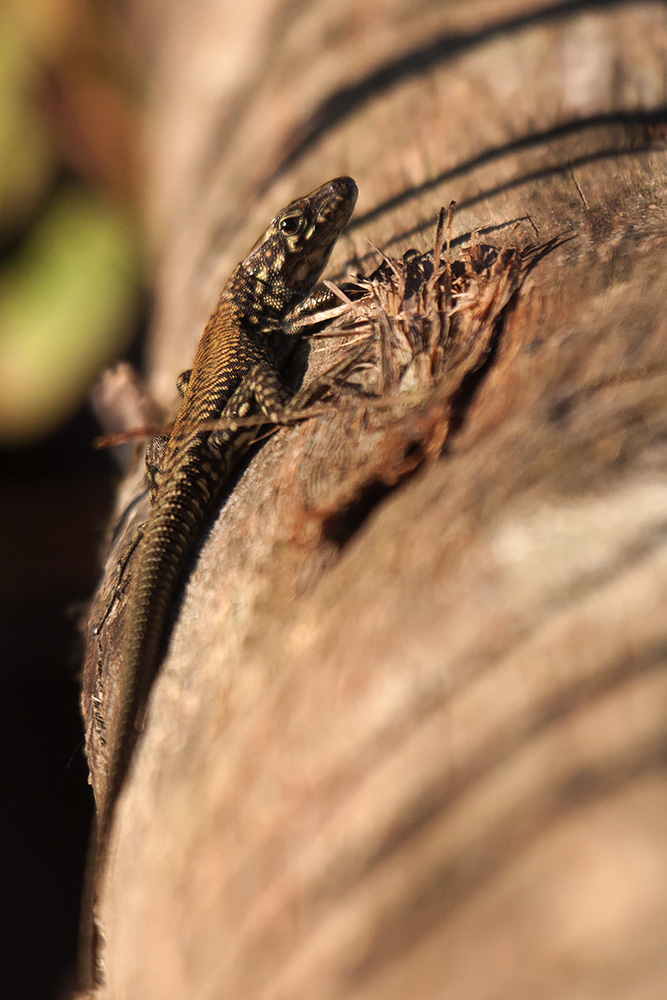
<point>291,224</point>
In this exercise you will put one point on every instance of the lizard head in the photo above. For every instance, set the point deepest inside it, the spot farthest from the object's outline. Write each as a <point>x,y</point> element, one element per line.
<point>291,254</point>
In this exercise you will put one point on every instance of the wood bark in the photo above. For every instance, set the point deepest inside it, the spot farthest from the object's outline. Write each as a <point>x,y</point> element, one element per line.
<point>409,735</point>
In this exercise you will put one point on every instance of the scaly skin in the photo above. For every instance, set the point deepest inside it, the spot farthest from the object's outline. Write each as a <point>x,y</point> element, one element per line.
<point>236,372</point>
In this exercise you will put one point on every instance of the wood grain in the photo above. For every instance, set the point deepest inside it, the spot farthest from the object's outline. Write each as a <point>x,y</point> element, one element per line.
<point>409,736</point>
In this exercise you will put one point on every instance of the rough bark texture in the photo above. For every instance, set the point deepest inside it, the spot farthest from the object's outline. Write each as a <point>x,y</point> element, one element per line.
<point>409,737</point>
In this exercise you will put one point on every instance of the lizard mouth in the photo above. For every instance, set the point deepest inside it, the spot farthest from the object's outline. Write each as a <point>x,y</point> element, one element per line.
<point>337,201</point>
<point>332,205</point>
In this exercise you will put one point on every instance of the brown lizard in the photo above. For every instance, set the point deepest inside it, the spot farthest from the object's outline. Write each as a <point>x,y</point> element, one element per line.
<point>236,373</point>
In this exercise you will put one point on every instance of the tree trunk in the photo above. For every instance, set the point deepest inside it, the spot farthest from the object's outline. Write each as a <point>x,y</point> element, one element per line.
<point>408,739</point>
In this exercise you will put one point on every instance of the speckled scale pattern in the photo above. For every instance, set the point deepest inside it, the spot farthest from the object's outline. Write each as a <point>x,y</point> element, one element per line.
<point>235,373</point>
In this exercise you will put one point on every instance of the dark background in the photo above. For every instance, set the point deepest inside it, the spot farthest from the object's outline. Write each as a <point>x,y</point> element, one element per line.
<point>71,90</point>
<point>53,500</point>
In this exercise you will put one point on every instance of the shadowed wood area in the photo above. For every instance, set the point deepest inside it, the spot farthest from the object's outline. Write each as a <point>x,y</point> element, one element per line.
<point>409,735</point>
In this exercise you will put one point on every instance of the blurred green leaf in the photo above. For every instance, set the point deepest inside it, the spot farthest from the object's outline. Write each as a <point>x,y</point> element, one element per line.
<point>67,306</point>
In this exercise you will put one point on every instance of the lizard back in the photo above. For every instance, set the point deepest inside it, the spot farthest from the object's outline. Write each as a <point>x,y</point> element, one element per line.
<point>236,372</point>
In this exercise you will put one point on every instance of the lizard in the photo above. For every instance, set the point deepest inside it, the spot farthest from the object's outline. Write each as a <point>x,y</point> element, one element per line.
<point>236,372</point>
